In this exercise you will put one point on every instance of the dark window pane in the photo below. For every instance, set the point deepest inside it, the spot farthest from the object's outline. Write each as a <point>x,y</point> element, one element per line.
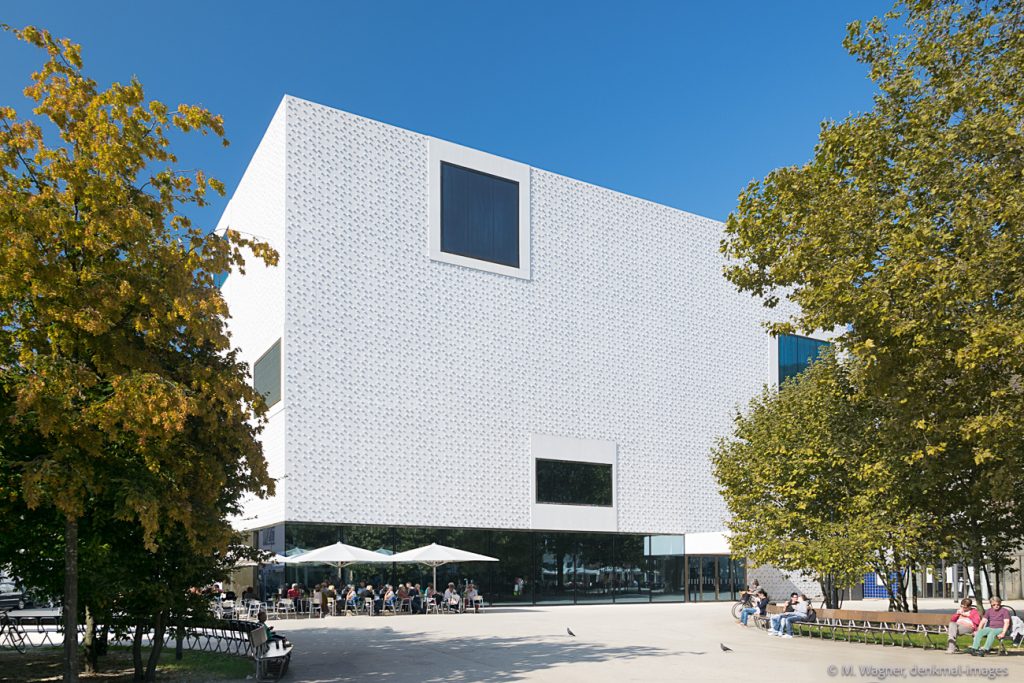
<point>266,374</point>
<point>479,215</point>
<point>574,483</point>
<point>796,354</point>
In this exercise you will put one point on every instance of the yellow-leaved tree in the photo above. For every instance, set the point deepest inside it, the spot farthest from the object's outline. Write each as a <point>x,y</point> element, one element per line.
<point>113,345</point>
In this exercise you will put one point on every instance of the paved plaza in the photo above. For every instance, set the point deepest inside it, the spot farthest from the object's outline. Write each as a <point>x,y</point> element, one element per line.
<point>670,642</point>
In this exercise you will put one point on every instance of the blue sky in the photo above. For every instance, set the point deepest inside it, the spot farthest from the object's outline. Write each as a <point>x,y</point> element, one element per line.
<point>678,102</point>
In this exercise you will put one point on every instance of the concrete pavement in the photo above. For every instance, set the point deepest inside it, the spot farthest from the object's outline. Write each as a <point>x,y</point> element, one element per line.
<point>667,642</point>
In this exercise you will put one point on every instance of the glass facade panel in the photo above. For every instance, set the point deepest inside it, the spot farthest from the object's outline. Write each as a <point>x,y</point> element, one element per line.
<point>266,374</point>
<point>796,354</point>
<point>724,578</point>
<point>594,572</point>
<point>630,578</point>
<point>533,567</point>
<point>479,215</point>
<point>693,593</point>
<point>708,579</point>
<point>555,567</point>
<point>566,482</point>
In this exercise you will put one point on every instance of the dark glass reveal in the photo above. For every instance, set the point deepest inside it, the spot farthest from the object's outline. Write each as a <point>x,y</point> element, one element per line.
<point>574,483</point>
<point>266,374</point>
<point>479,215</point>
<point>796,354</point>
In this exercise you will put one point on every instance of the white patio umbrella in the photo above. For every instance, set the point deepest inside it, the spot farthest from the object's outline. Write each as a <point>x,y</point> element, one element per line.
<point>435,555</point>
<point>338,554</point>
<point>274,559</point>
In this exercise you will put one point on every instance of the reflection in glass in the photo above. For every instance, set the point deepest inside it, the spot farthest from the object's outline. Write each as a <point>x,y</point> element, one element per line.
<point>574,483</point>
<point>708,587</point>
<point>556,567</point>
<point>630,580</point>
<point>533,566</point>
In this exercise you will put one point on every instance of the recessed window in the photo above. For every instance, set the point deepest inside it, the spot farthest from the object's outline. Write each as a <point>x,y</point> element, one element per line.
<point>479,210</point>
<point>479,215</point>
<point>796,353</point>
<point>565,482</point>
<point>266,374</point>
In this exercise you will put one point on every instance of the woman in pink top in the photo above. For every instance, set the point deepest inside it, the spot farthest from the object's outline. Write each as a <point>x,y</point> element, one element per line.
<point>963,622</point>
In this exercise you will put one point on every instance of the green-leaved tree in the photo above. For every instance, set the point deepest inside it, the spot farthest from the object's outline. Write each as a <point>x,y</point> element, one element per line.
<point>112,335</point>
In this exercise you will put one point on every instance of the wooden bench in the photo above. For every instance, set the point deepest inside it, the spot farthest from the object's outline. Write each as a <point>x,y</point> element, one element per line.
<point>892,628</point>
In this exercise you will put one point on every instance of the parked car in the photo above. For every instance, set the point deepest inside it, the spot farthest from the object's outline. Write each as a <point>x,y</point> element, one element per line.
<point>13,595</point>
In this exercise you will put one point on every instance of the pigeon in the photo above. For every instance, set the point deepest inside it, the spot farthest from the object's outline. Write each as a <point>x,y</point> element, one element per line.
<point>569,631</point>
<point>724,647</point>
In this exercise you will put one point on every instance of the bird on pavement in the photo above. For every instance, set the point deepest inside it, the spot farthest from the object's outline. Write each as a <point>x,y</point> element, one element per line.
<point>569,631</point>
<point>724,647</point>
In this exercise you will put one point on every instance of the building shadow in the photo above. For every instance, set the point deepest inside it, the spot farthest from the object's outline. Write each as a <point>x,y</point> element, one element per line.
<point>333,656</point>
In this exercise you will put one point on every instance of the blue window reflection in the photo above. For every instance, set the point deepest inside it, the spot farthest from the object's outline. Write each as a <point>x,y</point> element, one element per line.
<point>796,354</point>
<point>479,215</point>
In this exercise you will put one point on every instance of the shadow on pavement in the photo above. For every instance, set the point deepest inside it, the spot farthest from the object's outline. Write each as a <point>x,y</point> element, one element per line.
<point>386,655</point>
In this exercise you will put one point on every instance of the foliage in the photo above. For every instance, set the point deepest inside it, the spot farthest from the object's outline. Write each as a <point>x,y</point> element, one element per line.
<point>125,399</point>
<point>806,480</point>
<point>905,233</point>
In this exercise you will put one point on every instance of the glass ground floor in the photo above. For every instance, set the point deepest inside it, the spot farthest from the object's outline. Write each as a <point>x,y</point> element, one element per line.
<point>534,567</point>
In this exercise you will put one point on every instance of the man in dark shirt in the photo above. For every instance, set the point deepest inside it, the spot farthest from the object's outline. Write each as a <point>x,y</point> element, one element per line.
<point>994,624</point>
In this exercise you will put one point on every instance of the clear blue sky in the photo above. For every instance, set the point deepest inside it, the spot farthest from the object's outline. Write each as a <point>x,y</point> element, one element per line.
<point>678,102</point>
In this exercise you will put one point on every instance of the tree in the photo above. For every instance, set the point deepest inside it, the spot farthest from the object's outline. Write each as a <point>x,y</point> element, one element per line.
<point>905,232</point>
<point>115,350</point>
<point>809,488</point>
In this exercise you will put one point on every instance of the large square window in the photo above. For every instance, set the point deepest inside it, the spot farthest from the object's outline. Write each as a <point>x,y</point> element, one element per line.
<point>479,210</point>
<point>479,215</point>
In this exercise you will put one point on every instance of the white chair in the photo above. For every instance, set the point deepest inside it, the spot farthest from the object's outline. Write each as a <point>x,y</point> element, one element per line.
<point>286,606</point>
<point>368,606</point>
<point>432,606</point>
<point>314,605</point>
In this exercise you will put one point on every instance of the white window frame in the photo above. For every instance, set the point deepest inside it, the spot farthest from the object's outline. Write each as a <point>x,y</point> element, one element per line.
<point>442,151</point>
<point>573,517</point>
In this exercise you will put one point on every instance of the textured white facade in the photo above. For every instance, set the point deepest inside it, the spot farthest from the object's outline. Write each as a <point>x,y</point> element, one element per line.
<point>403,369</point>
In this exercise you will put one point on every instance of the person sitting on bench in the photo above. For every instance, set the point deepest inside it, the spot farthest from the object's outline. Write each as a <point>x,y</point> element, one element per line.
<point>963,622</point>
<point>760,608</point>
<point>995,624</point>
<point>775,627</point>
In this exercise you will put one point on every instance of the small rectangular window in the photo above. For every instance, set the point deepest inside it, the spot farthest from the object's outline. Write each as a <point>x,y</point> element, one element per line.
<point>266,374</point>
<point>796,354</point>
<point>479,215</point>
<point>565,482</point>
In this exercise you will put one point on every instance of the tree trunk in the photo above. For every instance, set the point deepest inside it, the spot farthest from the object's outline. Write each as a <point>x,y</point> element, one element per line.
<point>913,585</point>
<point>988,583</point>
<point>140,675</point>
<point>156,646</point>
<point>89,641</point>
<point>70,603</point>
<point>179,639</point>
<point>976,579</point>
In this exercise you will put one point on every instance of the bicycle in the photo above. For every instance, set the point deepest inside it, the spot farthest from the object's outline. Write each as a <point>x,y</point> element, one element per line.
<point>746,601</point>
<point>11,632</point>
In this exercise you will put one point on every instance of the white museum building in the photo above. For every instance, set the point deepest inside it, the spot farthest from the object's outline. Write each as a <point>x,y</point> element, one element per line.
<point>461,348</point>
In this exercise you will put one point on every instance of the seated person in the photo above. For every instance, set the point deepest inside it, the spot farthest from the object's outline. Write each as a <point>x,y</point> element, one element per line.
<point>801,611</point>
<point>994,624</point>
<point>451,597</point>
<point>248,594</point>
<point>402,593</point>
<point>775,625</point>
<point>963,622</point>
<point>371,595</point>
<point>761,607</point>
<point>293,592</point>
<point>272,638</point>
<point>471,597</point>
